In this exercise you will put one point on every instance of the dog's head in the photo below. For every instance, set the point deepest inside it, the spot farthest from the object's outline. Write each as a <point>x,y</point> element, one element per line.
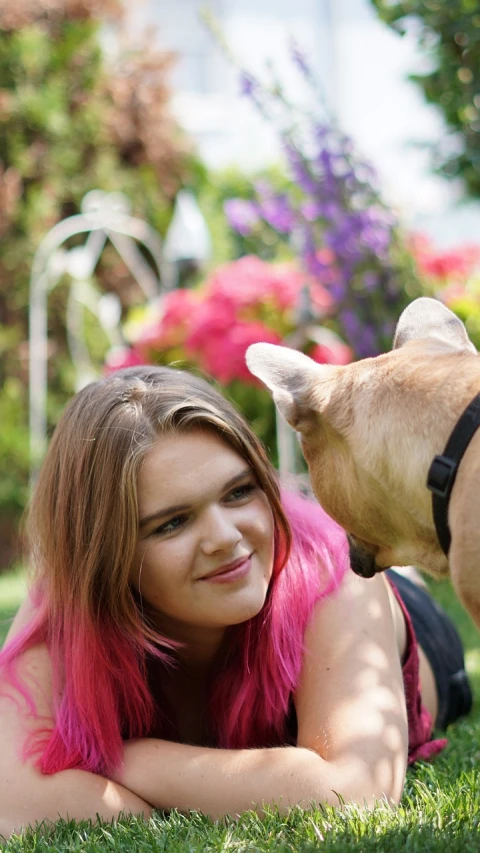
<point>369,431</point>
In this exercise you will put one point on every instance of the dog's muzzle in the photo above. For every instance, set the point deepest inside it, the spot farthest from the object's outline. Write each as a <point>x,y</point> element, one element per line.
<point>361,561</point>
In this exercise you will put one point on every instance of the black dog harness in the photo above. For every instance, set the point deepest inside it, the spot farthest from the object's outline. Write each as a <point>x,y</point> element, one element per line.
<point>443,470</point>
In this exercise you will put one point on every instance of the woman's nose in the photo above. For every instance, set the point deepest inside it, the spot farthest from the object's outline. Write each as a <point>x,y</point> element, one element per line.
<point>220,532</point>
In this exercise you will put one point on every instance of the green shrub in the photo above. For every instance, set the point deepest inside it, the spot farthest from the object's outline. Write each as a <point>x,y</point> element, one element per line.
<point>70,121</point>
<point>448,34</point>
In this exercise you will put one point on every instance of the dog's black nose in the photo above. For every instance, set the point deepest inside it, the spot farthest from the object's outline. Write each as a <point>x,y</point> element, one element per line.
<point>361,561</point>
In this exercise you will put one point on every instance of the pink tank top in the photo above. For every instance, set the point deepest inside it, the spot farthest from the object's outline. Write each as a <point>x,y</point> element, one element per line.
<point>420,743</point>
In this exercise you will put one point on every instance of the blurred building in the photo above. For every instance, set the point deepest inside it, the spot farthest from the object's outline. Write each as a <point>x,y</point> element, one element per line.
<point>362,67</point>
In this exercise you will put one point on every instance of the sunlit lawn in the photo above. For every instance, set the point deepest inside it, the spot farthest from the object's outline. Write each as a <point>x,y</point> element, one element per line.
<point>440,809</point>
<point>12,590</point>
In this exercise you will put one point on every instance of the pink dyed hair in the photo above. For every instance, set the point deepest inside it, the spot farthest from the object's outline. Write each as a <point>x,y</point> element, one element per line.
<point>251,700</point>
<point>83,534</point>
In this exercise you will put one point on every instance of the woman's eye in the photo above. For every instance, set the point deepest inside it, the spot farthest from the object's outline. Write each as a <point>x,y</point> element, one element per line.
<point>170,526</point>
<point>241,492</point>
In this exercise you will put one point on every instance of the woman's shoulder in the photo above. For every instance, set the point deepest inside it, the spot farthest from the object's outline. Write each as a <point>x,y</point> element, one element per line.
<point>29,684</point>
<point>30,689</point>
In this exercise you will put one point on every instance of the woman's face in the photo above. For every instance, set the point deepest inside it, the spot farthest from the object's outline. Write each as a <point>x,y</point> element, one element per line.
<point>205,549</point>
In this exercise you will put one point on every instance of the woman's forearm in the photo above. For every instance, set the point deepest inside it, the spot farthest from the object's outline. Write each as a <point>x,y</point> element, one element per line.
<point>220,782</point>
<point>70,794</point>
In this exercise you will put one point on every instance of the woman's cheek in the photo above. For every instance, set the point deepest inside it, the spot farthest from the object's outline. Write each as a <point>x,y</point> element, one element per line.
<point>170,562</point>
<point>264,533</point>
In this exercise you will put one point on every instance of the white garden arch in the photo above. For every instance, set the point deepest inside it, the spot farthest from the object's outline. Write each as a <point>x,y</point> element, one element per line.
<point>103,217</point>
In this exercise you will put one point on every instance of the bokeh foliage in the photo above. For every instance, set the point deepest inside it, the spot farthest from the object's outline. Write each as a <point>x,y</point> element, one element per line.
<point>72,119</point>
<point>448,33</point>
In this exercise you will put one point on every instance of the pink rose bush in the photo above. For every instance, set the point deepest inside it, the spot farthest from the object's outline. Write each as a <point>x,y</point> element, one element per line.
<point>454,277</point>
<point>243,302</point>
<point>211,327</point>
<point>447,266</point>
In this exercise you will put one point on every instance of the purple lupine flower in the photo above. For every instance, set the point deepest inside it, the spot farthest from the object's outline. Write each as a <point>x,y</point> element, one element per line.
<point>338,290</point>
<point>377,241</point>
<point>325,161</point>
<point>242,215</point>
<point>321,131</point>
<point>366,343</point>
<point>388,328</point>
<point>350,322</point>
<point>316,265</point>
<point>299,169</point>
<point>370,281</point>
<point>311,210</point>
<point>333,207</point>
<point>276,210</point>
<point>331,210</point>
<point>300,60</point>
<point>248,84</point>
<point>346,144</point>
<point>391,288</point>
<point>344,243</point>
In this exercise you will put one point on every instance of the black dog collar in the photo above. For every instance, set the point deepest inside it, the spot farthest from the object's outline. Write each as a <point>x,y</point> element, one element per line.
<point>443,470</point>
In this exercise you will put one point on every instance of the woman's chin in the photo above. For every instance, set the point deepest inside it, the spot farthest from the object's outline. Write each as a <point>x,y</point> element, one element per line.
<point>240,607</point>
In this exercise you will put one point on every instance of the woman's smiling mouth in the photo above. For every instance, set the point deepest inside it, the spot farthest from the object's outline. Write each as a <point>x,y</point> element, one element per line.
<point>233,571</point>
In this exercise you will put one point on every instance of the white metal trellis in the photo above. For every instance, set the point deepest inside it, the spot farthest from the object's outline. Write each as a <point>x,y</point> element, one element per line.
<point>104,217</point>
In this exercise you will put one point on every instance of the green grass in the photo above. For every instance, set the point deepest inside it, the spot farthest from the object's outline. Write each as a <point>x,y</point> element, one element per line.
<point>440,809</point>
<point>12,591</point>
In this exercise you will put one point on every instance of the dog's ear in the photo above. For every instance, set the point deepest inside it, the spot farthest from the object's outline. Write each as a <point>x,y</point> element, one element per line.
<point>429,318</point>
<point>295,380</point>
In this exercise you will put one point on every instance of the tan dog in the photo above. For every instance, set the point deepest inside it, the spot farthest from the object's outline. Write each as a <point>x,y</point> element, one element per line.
<point>369,432</point>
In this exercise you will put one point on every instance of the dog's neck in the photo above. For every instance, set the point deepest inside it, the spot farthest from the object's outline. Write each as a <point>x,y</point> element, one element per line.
<point>444,468</point>
<point>463,518</point>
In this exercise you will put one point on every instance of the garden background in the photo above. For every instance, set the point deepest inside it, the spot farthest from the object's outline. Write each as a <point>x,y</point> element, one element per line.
<point>307,250</point>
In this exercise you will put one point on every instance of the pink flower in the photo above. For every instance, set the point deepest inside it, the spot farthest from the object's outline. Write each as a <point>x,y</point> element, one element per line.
<point>321,299</point>
<point>251,282</point>
<point>335,353</point>
<point>214,318</point>
<point>213,325</point>
<point>169,328</point>
<point>446,264</point>
<point>454,263</point>
<point>452,293</point>
<point>120,357</point>
<point>223,354</point>
<point>178,306</point>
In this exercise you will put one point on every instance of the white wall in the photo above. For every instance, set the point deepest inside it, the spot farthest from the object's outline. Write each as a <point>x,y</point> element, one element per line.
<point>362,66</point>
<point>390,120</point>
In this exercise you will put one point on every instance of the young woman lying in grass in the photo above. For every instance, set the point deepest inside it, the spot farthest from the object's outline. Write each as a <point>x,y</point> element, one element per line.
<point>193,639</point>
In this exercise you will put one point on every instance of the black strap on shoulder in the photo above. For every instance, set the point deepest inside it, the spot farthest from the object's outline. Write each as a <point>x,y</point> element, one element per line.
<point>443,470</point>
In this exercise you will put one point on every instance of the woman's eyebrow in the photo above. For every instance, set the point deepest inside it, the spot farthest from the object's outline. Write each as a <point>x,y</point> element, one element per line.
<point>172,510</point>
